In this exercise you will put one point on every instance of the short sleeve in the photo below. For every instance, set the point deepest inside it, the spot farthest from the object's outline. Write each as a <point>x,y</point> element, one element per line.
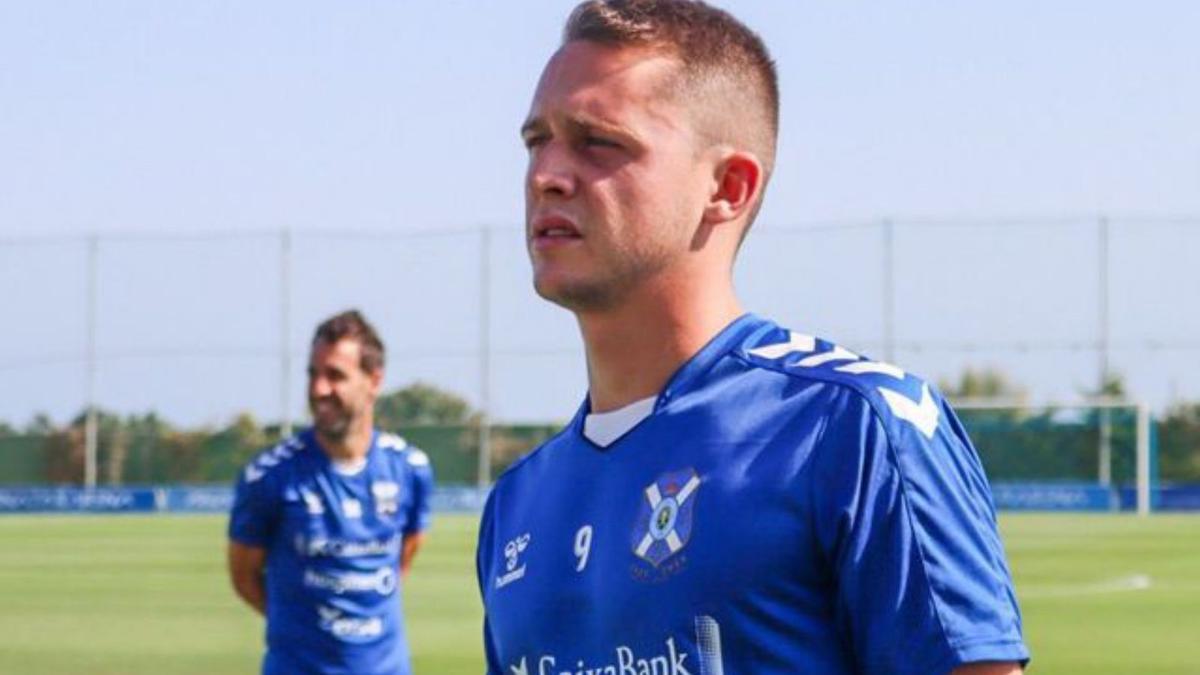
<point>489,650</point>
<point>906,524</point>
<point>483,551</point>
<point>254,515</point>
<point>421,488</point>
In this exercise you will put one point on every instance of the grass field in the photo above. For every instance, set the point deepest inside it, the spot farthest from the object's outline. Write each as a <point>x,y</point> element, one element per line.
<point>147,594</point>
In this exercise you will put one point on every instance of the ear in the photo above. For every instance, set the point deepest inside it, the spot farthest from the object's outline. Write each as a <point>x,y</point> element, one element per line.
<point>376,379</point>
<point>737,183</point>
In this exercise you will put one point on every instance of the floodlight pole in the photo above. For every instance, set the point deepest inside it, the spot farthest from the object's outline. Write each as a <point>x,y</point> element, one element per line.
<point>484,470</point>
<point>285,352</point>
<point>91,423</point>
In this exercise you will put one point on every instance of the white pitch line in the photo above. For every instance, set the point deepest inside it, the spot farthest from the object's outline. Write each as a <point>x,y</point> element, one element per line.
<point>1133,582</point>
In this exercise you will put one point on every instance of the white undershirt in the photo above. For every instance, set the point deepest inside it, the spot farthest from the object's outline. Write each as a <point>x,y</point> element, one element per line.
<point>604,428</point>
<point>349,467</point>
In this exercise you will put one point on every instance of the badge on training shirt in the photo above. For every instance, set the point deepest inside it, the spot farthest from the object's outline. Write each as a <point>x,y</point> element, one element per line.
<point>387,496</point>
<point>664,522</point>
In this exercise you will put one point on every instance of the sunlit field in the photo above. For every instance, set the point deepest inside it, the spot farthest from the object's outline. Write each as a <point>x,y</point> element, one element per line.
<point>147,594</point>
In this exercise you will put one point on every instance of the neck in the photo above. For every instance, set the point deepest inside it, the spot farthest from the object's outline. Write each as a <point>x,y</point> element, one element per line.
<point>635,347</point>
<point>353,446</point>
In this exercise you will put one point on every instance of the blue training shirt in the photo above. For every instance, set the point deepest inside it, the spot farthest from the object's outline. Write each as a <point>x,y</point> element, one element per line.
<point>333,552</point>
<point>788,507</point>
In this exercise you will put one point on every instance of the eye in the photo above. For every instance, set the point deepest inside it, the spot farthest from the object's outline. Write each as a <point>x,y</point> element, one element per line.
<point>533,141</point>
<point>592,141</point>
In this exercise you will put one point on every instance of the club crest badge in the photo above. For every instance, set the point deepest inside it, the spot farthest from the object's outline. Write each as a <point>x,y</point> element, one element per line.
<point>664,521</point>
<point>387,497</point>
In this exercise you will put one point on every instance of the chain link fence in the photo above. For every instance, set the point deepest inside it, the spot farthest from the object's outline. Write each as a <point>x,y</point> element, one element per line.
<point>143,454</point>
<point>194,329</point>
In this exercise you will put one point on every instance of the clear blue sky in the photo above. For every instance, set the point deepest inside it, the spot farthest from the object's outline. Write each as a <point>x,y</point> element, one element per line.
<point>178,117</point>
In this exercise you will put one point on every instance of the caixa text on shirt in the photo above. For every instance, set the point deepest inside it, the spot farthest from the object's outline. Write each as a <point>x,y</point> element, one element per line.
<point>625,662</point>
<point>320,547</point>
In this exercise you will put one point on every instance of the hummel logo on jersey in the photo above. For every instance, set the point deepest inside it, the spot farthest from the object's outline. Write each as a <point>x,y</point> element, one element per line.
<point>351,508</point>
<point>665,519</point>
<point>627,662</point>
<point>512,553</point>
<point>312,503</point>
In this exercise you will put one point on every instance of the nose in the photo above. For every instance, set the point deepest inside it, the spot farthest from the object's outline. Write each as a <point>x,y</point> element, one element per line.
<point>319,387</point>
<point>550,171</point>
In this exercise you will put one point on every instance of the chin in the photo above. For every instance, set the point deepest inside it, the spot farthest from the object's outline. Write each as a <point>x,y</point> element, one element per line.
<point>576,296</point>
<point>335,431</point>
<point>547,290</point>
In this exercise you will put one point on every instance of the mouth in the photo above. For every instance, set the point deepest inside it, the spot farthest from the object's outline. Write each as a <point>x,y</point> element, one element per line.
<point>552,230</point>
<point>325,407</point>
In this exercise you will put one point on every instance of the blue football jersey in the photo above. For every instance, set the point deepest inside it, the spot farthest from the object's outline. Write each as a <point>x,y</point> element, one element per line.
<point>787,507</point>
<point>333,552</point>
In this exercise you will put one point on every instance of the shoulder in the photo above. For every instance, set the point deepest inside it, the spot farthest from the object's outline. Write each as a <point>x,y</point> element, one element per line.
<point>268,477</point>
<point>528,464</point>
<point>399,449</point>
<point>906,405</point>
<point>269,464</point>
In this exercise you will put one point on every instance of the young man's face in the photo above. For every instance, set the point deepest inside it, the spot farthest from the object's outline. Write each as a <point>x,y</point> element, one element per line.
<point>339,390</point>
<point>614,189</point>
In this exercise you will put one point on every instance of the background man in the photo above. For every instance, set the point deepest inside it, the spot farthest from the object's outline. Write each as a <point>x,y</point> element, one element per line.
<point>731,496</point>
<point>326,524</point>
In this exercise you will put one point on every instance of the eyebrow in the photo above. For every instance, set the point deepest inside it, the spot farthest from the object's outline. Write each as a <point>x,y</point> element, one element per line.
<point>579,122</point>
<point>531,125</point>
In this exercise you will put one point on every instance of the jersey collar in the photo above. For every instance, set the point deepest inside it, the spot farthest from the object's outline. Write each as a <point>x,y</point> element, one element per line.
<point>310,439</point>
<point>737,332</point>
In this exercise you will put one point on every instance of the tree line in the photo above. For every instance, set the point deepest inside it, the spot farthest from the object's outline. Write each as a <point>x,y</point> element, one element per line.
<point>1024,443</point>
<point>147,449</point>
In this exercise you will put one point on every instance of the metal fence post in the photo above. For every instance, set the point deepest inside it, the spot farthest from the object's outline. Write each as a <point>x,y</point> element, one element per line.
<point>889,291</point>
<point>1102,345</point>
<point>91,423</point>
<point>1144,468</point>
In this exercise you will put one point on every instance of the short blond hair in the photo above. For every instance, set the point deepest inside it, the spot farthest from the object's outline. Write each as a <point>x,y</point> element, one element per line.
<point>720,59</point>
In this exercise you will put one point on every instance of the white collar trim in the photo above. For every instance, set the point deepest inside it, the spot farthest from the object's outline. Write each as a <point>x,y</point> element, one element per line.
<point>605,428</point>
<point>349,467</point>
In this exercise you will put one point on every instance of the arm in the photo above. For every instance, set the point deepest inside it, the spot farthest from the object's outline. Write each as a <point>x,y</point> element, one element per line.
<point>906,524</point>
<point>421,487</point>
<point>246,567</point>
<point>408,551</point>
<point>483,552</point>
<point>990,668</point>
<point>489,651</point>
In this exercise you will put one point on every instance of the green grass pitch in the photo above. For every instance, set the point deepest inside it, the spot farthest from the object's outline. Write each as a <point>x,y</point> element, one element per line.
<point>147,594</point>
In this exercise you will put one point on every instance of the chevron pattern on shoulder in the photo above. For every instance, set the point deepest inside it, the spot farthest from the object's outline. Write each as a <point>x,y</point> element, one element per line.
<point>922,413</point>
